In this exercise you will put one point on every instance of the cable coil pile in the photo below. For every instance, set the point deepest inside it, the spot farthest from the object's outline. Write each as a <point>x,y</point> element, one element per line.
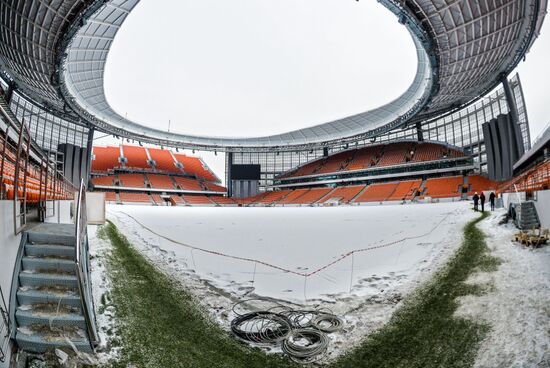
<point>302,333</point>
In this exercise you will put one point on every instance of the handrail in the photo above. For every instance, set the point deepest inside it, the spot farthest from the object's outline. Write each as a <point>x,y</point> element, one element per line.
<point>23,153</point>
<point>5,327</point>
<point>82,266</point>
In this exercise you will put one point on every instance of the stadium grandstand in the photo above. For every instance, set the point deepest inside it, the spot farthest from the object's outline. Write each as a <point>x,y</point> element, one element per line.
<point>461,127</point>
<point>134,174</point>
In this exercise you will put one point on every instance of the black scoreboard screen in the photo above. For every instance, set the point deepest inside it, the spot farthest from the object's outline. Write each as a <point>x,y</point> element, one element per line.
<point>245,172</point>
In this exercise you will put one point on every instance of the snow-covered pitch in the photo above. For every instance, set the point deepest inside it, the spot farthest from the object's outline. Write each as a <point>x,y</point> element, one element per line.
<point>404,245</point>
<point>286,249</point>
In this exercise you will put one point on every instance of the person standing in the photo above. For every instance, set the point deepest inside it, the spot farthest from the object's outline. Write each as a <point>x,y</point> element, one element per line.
<point>476,201</point>
<point>482,199</point>
<point>492,198</point>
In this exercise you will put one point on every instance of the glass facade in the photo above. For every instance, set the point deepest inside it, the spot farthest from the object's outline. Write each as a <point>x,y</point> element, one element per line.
<point>47,130</point>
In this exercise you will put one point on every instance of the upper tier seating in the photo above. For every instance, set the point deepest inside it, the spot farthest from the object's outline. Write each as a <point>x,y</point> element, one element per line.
<point>188,184</point>
<point>337,162</point>
<point>136,157</point>
<point>376,156</point>
<point>344,194</point>
<point>194,166</point>
<point>105,158</point>
<point>164,161</point>
<point>444,187</point>
<point>160,181</point>
<point>364,158</point>
<point>396,154</point>
<point>132,180</point>
<point>310,168</point>
<point>214,187</point>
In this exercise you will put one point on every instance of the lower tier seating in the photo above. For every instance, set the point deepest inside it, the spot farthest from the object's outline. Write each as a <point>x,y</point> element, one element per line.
<point>344,194</point>
<point>197,199</point>
<point>377,193</point>
<point>312,196</point>
<point>450,187</point>
<point>135,198</point>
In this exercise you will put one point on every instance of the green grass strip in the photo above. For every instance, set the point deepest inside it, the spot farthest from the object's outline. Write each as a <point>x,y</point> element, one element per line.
<point>160,325</point>
<point>424,332</point>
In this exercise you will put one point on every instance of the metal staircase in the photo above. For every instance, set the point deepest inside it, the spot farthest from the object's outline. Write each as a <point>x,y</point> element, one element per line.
<point>526,216</point>
<point>52,303</point>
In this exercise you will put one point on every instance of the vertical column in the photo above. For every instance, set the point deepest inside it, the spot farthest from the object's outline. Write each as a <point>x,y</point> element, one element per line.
<point>89,145</point>
<point>517,143</point>
<point>419,134</point>
<point>9,92</point>
<point>228,176</point>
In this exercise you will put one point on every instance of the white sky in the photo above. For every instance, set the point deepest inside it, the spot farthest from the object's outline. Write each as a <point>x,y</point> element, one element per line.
<point>260,67</point>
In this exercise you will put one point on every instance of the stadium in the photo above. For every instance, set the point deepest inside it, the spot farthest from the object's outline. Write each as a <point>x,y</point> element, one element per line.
<point>412,234</point>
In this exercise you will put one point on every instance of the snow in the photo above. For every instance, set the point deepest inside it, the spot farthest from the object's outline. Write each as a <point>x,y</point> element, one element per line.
<point>301,240</point>
<point>517,305</point>
<point>105,314</point>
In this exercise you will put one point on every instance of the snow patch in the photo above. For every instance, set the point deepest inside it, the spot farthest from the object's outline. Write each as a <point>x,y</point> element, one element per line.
<point>517,306</point>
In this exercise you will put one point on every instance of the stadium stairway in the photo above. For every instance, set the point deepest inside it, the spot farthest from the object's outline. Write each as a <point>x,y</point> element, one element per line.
<point>324,198</point>
<point>360,193</point>
<point>526,216</point>
<point>46,307</point>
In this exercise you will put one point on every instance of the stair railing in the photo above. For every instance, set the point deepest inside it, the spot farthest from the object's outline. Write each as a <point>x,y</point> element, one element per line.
<point>4,327</point>
<point>83,267</point>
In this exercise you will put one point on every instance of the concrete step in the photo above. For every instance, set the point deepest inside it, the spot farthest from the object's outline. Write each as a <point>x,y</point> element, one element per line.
<point>50,264</point>
<point>51,319</point>
<point>46,279</point>
<point>48,250</point>
<point>38,343</point>
<point>32,296</point>
<point>48,238</point>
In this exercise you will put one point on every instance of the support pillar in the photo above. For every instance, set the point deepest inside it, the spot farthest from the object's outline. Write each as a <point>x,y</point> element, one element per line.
<point>518,144</point>
<point>228,176</point>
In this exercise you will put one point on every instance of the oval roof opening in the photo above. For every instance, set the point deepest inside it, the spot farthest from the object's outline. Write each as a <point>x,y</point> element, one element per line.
<point>255,68</point>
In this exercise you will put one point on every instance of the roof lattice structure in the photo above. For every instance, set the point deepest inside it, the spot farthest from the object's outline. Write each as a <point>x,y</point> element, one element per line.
<point>56,50</point>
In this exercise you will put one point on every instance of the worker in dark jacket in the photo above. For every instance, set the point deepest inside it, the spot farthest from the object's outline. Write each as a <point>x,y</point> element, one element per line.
<point>482,199</point>
<point>476,201</point>
<point>492,198</point>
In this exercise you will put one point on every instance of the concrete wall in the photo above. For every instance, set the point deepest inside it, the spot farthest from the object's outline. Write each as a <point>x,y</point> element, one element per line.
<point>95,204</point>
<point>543,207</point>
<point>9,245</point>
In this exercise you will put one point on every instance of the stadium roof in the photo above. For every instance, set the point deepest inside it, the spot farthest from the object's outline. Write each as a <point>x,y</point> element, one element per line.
<point>56,51</point>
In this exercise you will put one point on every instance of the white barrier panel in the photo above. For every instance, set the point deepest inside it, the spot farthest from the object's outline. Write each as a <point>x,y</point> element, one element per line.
<point>543,207</point>
<point>95,204</point>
